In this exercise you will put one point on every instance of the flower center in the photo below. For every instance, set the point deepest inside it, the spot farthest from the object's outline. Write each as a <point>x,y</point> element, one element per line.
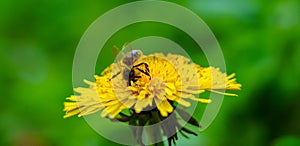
<point>157,87</point>
<point>146,87</point>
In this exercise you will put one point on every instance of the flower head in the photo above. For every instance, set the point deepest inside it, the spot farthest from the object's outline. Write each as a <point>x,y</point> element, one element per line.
<point>150,86</point>
<point>170,79</point>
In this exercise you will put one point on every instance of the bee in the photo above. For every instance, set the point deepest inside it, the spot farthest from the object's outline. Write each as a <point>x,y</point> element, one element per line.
<point>138,71</point>
<point>131,72</point>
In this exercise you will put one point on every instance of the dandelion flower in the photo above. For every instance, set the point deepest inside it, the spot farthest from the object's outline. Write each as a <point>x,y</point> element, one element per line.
<point>154,84</point>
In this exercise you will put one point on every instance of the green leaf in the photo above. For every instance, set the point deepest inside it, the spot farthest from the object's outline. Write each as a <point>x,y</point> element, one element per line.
<point>187,117</point>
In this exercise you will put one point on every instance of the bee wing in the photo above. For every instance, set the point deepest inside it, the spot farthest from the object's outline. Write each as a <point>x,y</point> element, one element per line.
<point>119,56</point>
<point>116,51</point>
<point>125,45</point>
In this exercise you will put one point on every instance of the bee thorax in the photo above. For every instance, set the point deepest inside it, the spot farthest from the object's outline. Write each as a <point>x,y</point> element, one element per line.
<point>132,57</point>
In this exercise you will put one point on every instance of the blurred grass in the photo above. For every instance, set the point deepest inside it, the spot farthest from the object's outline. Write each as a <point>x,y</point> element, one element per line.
<point>260,41</point>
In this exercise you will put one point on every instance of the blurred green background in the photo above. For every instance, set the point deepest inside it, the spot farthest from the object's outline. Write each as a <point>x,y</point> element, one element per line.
<point>260,41</point>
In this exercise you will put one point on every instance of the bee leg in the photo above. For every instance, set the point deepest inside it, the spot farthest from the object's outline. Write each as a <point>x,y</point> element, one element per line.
<point>115,75</point>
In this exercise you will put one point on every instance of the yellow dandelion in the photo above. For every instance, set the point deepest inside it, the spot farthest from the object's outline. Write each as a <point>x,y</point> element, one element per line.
<point>170,78</point>
<point>149,86</point>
